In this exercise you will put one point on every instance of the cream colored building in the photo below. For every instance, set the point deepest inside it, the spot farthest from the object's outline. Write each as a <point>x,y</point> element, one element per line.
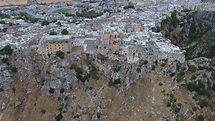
<point>50,44</point>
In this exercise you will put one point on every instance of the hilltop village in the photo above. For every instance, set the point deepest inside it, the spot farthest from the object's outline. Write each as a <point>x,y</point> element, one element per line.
<point>120,30</point>
<point>101,60</point>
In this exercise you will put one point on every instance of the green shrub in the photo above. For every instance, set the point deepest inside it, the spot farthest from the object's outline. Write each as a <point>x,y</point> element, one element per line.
<point>192,68</point>
<point>64,32</point>
<point>200,118</point>
<point>73,66</point>
<point>115,82</point>
<point>192,87</point>
<point>1,89</point>
<point>7,50</point>
<point>94,73</point>
<point>53,33</point>
<point>163,64</point>
<point>153,67</point>
<point>2,15</point>
<point>79,71</point>
<point>61,90</point>
<point>43,111</point>
<point>59,117</point>
<point>44,23</point>
<point>42,82</point>
<point>60,54</point>
<point>89,14</point>
<point>51,90</point>
<point>180,78</point>
<point>177,110</point>
<point>160,84</point>
<point>13,69</point>
<point>138,70</point>
<point>168,103</point>
<point>195,108</point>
<point>4,60</point>
<point>116,69</point>
<point>203,103</point>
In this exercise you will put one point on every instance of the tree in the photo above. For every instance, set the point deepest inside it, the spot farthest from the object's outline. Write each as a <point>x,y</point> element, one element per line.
<point>59,23</point>
<point>53,33</point>
<point>191,86</point>
<point>59,117</point>
<point>192,68</point>
<point>64,32</point>
<point>4,60</point>
<point>45,23</point>
<point>200,118</point>
<point>13,69</point>
<point>4,29</point>
<point>6,50</point>
<point>60,54</point>
<point>51,90</point>
<point>2,22</point>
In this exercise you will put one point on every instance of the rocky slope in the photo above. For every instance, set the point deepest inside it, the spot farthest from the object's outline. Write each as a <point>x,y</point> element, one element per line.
<point>92,87</point>
<point>193,31</point>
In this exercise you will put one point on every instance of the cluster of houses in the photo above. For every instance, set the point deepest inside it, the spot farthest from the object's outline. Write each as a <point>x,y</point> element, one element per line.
<point>114,45</point>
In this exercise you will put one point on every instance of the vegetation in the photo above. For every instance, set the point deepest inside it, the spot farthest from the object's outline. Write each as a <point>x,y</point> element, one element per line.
<point>43,111</point>
<point>59,117</point>
<point>13,69</point>
<point>51,90</point>
<point>116,69</point>
<point>80,76</point>
<point>94,73</point>
<point>89,14</point>
<point>128,6</point>
<point>42,82</point>
<point>115,82</point>
<point>45,23</point>
<point>160,84</point>
<point>153,67</point>
<point>62,90</point>
<point>61,11</point>
<point>4,30</point>
<point>200,118</point>
<point>203,103</point>
<point>2,22</point>
<point>2,15</point>
<point>60,54</point>
<point>138,70</point>
<point>27,18</point>
<point>180,76</point>
<point>73,66</point>
<point>1,89</point>
<point>64,32</point>
<point>7,50</point>
<point>4,60</point>
<point>199,88</point>
<point>53,33</point>
<point>192,68</point>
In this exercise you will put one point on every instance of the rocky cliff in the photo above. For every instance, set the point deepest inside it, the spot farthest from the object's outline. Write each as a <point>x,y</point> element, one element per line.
<point>93,87</point>
<point>193,31</point>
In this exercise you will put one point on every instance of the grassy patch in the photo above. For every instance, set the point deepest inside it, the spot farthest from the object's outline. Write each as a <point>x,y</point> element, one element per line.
<point>61,11</point>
